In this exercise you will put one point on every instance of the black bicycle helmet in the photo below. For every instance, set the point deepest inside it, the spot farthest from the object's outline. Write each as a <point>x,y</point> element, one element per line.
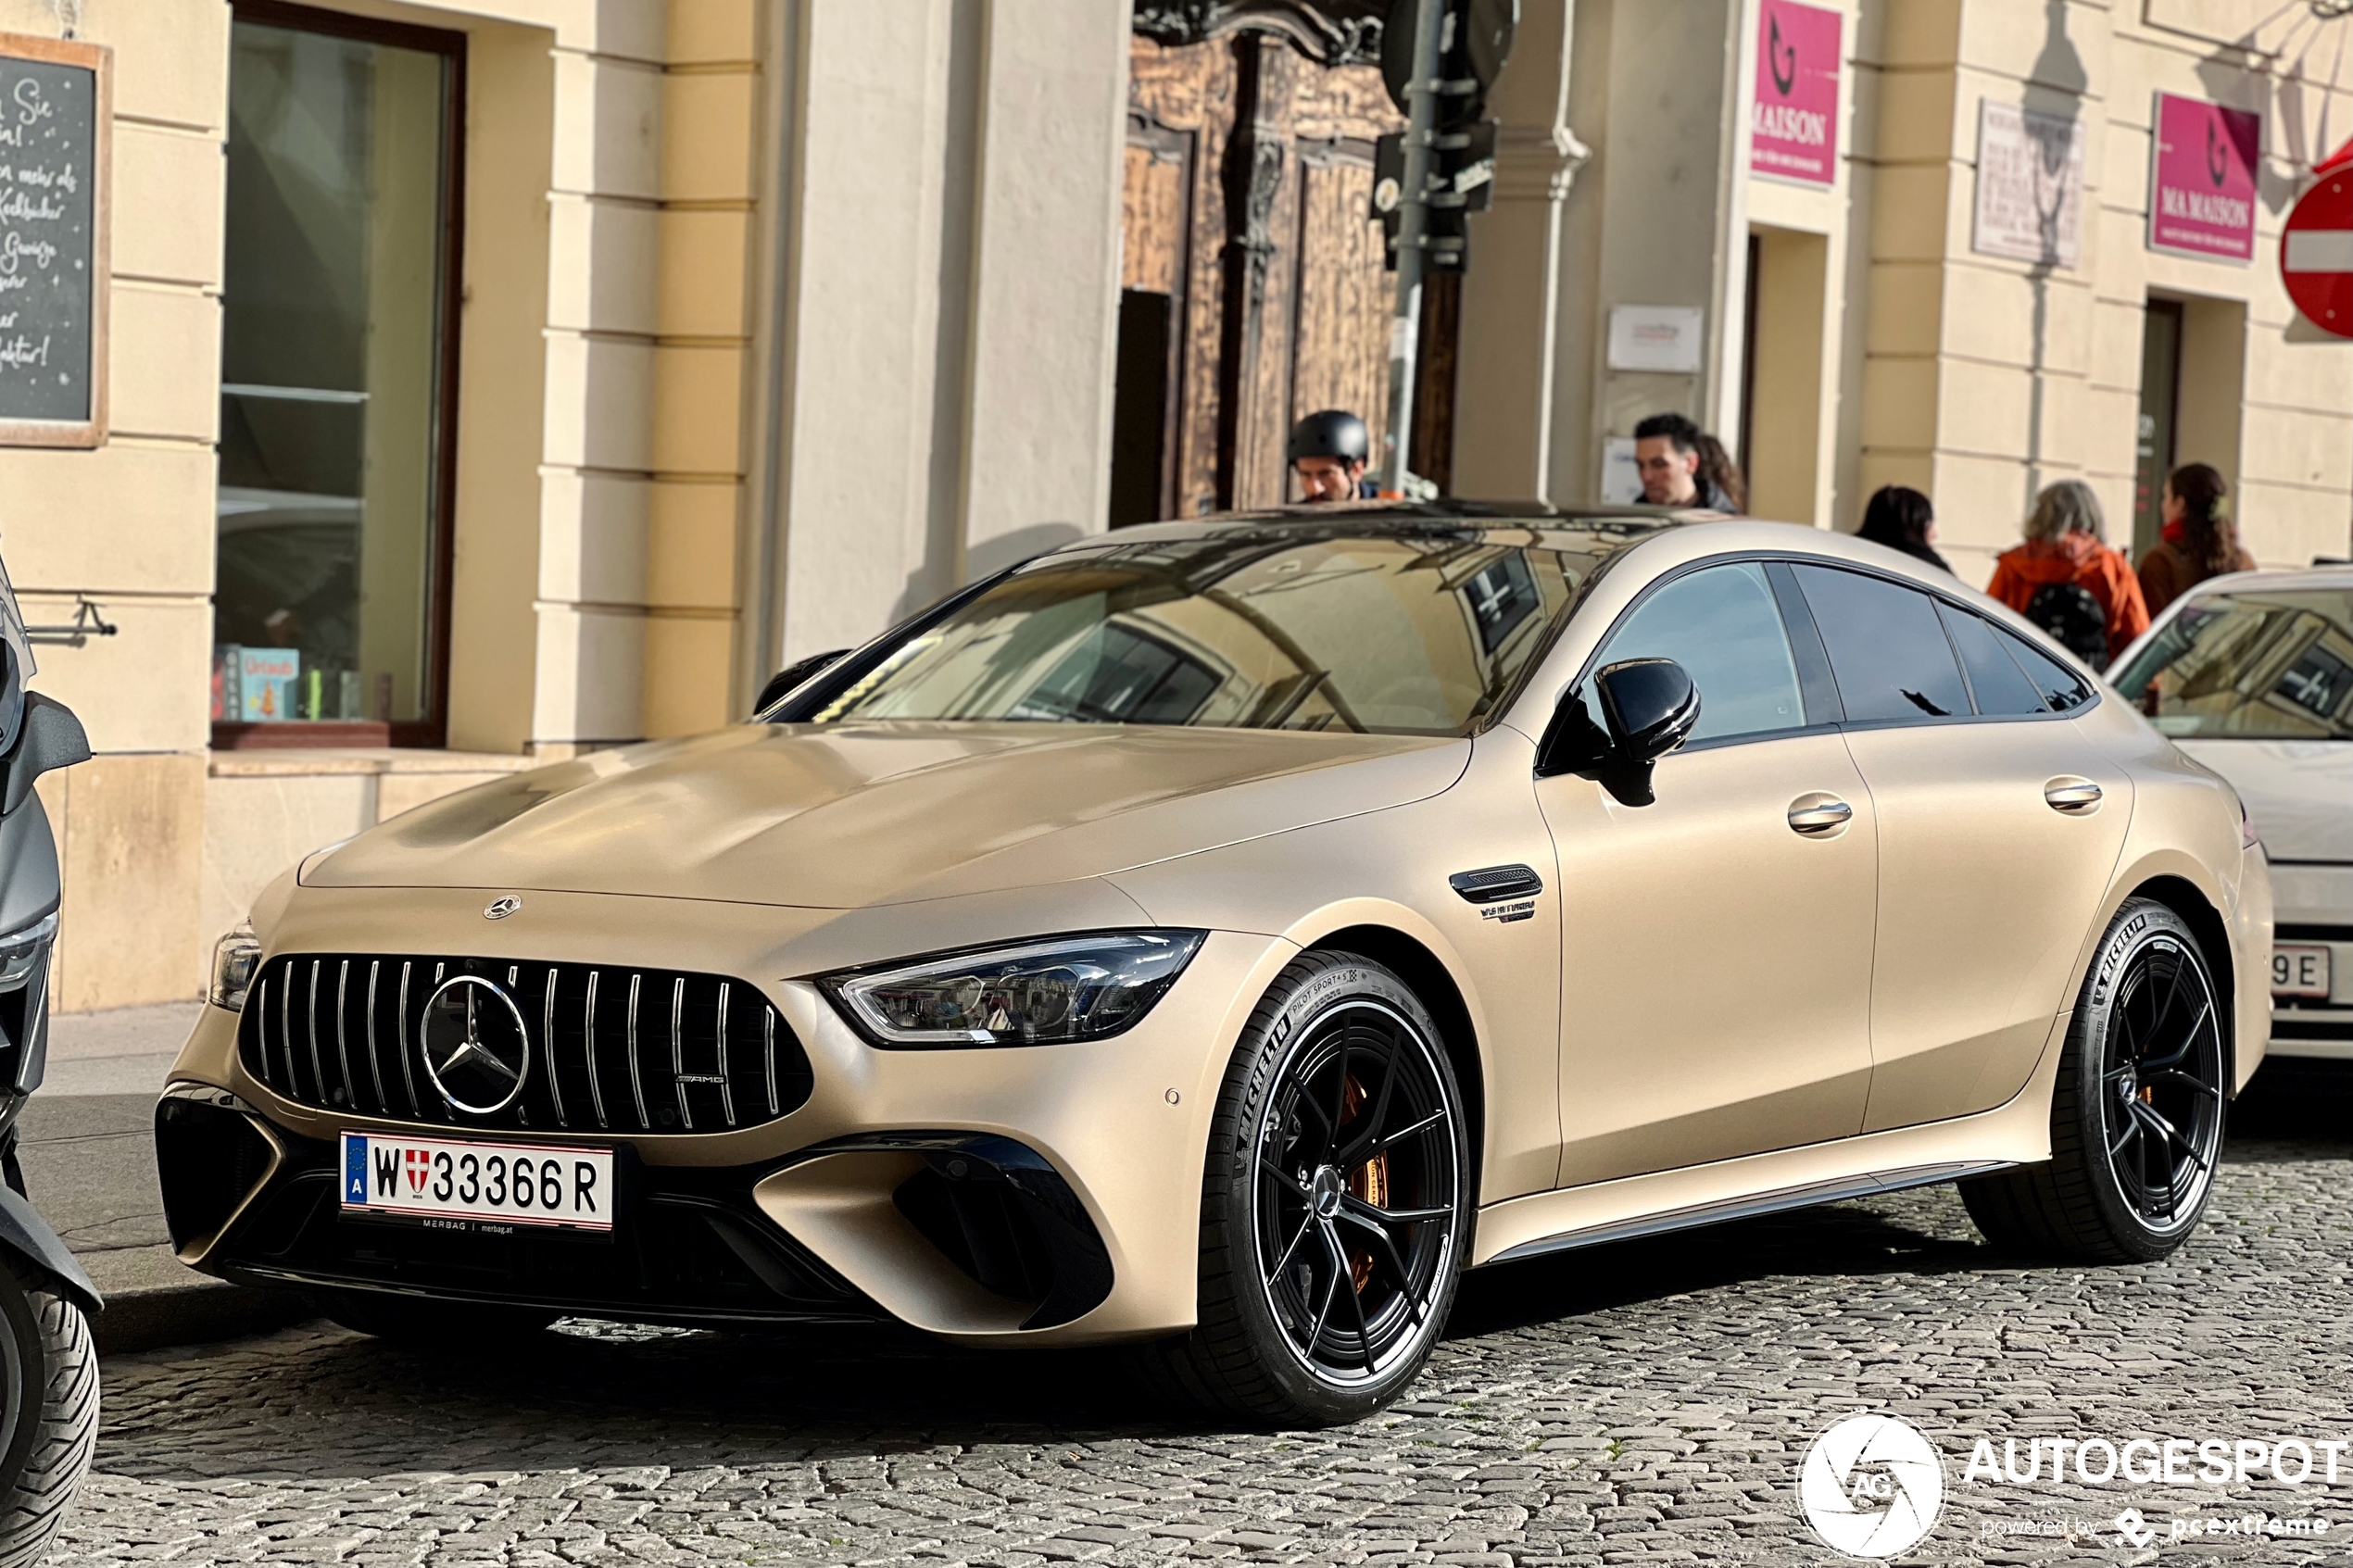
<point>1335,433</point>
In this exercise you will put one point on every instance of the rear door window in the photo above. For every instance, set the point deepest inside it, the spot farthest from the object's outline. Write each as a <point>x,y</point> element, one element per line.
<point>2063,690</point>
<point>2000,687</point>
<point>1888,650</point>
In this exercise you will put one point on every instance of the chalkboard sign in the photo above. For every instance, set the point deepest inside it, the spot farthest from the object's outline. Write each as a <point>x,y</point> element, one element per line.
<point>55,118</point>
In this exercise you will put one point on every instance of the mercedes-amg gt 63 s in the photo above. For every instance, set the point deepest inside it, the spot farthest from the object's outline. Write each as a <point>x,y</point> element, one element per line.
<point>1218,936</point>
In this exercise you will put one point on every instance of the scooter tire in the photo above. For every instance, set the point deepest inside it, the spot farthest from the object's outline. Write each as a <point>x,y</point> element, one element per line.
<point>49,1422</point>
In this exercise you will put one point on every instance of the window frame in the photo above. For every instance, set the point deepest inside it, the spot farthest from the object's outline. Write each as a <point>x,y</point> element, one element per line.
<point>430,732</point>
<point>1959,664</point>
<point>1810,690</point>
<point>1817,682</point>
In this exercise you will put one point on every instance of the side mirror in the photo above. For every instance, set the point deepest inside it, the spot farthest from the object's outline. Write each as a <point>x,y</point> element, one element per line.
<point>49,738</point>
<point>792,676</point>
<point>1648,707</point>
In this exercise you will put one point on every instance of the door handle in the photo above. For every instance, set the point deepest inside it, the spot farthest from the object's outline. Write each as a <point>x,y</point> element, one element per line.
<point>1819,815</point>
<point>2077,797</point>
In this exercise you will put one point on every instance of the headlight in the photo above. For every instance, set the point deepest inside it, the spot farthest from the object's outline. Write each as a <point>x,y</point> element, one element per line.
<point>21,951</point>
<point>234,959</point>
<point>1051,991</point>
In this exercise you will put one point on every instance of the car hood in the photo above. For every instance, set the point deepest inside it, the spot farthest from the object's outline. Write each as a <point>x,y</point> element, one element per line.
<point>844,816</point>
<point>2296,792</point>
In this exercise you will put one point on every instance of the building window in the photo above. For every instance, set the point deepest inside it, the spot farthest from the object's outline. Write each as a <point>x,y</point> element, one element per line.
<point>338,380</point>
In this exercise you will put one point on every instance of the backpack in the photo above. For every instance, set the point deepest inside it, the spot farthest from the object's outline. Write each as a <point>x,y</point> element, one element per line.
<point>2072,614</point>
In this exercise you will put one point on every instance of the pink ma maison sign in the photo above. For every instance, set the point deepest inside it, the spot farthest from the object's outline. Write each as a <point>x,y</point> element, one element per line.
<point>1793,128</point>
<point>2202,179</point>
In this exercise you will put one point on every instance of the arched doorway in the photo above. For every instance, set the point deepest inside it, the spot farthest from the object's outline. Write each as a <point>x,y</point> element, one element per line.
<point>1252,287</point>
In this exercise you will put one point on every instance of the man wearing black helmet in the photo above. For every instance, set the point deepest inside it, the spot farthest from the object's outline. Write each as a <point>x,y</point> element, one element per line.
<point>1328,452</point>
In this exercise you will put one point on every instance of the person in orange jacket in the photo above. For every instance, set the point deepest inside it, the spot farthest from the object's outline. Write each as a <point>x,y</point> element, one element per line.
<point>2067,581</point>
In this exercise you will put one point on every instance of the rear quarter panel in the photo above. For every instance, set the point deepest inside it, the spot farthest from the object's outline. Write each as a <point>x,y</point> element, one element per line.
<point>2186,826</point>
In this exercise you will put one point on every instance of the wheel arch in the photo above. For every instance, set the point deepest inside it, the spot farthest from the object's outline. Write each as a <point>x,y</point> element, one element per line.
<point>1422,968</point>
<point>2189,901</point>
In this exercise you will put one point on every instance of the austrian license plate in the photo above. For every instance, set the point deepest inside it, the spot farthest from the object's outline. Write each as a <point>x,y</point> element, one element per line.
<point>2300,972</point>
<point>462,1183</point>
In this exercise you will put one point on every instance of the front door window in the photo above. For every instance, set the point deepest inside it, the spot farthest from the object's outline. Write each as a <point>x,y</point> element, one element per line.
<point>335,417</point>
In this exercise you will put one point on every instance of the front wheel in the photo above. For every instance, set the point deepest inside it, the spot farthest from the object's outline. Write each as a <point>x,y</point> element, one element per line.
<point>2137,1114</point>
<point>49,1422</point>
<point>1335,1204</point>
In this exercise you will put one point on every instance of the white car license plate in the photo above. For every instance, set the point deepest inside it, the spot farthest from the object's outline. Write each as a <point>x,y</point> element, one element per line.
<point>2300,972</point>
<point>457,1180</point>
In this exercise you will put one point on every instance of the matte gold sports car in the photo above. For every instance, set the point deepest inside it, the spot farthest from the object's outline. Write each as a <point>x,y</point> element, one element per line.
<point>1218,936</point>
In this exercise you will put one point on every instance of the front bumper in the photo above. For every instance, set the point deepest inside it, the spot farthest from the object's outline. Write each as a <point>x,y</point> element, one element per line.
<point>2314,906</point>
<point>1045,1194</point>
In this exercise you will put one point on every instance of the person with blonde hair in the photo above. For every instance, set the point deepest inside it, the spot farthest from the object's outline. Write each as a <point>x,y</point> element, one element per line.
<point>2065,579</point>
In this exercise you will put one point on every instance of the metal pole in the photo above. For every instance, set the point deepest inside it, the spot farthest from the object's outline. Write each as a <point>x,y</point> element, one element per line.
<point>1413,229</point>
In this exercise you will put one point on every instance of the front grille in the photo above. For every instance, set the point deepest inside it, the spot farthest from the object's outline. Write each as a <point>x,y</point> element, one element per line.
<point>610,1048</point>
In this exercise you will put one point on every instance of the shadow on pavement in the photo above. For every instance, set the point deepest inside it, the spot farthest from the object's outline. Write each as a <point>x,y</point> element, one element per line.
<point>317,1402</point>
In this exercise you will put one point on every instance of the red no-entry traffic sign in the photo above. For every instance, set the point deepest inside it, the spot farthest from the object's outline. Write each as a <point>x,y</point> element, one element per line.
<point>2316,251</point>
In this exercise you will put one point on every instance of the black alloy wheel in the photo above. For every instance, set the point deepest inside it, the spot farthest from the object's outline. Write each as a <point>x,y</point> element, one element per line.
<point>2137,1108</point>
<point>2160,1087</point>
<point>1336,1203</point>
<point>1357,1187</point>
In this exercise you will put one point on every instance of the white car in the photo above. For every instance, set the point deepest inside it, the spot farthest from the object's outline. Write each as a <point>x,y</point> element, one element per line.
<point>2252,675</point>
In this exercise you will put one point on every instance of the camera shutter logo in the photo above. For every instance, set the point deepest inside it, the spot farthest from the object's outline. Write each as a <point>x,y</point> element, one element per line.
<point>1871,1485</point>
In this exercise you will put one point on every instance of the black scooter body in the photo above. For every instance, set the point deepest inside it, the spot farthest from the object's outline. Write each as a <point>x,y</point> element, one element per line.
<point>49,736</point>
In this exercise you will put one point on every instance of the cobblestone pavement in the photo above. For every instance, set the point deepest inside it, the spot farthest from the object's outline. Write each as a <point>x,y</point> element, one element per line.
<point>1646,1402</point>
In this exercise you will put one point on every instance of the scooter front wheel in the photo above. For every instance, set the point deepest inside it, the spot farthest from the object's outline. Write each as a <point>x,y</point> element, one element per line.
<point>49,1420</point>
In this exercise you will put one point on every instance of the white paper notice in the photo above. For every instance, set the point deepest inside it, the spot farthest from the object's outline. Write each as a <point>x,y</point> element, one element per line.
<point>1621,479</point>
<point>1656,337</point>
<point>2029,185</point>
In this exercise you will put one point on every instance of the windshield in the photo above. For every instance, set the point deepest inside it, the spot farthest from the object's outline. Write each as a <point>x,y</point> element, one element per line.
<point>2271,665</point>
<point>1284,628</point>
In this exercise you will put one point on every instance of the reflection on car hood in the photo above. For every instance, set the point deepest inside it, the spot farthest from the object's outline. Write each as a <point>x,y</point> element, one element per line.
<point>2298,793</point>
<point>849,815</point>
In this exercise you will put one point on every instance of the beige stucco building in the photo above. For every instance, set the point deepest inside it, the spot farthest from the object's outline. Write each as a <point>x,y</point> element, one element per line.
<point>1862,331</point>
<point>544,372</point>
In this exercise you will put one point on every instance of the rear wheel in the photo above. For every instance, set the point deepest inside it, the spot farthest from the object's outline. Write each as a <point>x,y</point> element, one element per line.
<point>1336,1203</point>
<point>50,1424</point>
<point>416,1320</point>
<point>2137,1112</point>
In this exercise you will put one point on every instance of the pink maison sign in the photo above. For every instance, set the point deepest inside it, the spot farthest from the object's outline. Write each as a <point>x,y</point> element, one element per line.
<point>2202,179</point>
<point>1794,127</point>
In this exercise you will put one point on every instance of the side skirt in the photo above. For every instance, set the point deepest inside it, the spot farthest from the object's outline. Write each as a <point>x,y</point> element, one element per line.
<point>1805,1197</point>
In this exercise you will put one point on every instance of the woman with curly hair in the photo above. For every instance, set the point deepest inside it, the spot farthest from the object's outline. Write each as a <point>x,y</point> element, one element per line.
<point>2198,542</point>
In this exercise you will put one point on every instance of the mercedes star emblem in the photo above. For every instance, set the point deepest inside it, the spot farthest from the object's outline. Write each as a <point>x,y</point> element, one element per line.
<point>476,1051</point>
<point>501,907</point>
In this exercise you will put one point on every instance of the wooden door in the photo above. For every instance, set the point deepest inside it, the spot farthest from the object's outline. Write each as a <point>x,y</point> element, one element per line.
<point>1252,284</point>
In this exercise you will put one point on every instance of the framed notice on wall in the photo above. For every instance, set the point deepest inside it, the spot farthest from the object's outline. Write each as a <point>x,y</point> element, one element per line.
<point>56,120</point>
<point>2029,185</point>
